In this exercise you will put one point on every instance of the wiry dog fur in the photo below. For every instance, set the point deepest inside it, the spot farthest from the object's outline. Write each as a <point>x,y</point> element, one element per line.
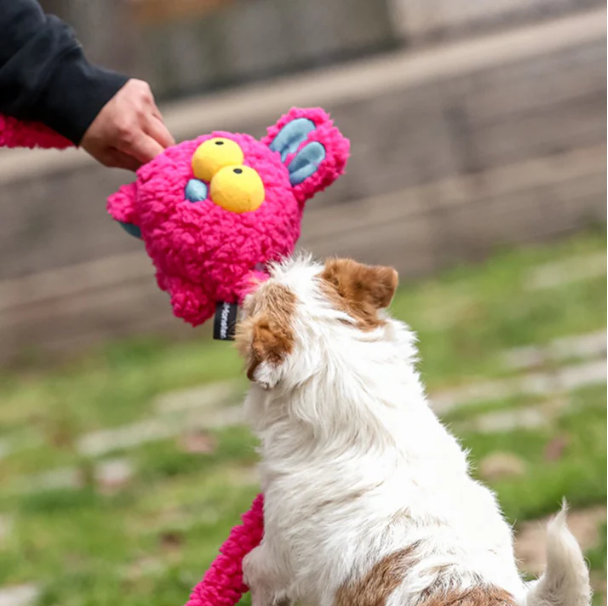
<point>368,498</point>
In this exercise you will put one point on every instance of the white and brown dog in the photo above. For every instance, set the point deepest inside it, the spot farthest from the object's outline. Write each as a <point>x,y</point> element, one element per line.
<point>368,498</point>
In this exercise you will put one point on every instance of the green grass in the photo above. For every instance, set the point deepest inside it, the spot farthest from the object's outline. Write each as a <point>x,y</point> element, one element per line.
<point>578,474</point>
<point>151,541</point>
<point>596,557</point>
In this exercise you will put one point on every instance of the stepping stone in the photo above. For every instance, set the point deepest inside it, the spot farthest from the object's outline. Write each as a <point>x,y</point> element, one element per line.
<point>564,379</point>
<point>114,474</point>
<point>571,270</point>
<point>127,437</point>
<point>507,420</point>
<point>586,346</point>
<point>499,465</point>
<point>210,395</point>
<point>19,595</point>
<point>63,477</point>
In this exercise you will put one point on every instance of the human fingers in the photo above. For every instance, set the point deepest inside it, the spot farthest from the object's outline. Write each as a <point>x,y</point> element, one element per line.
<point>114,158</point>
<point>158,131</point>
<point>142,147</point>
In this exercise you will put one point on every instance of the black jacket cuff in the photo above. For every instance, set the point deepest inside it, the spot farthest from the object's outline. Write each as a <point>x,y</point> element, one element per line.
<point>75,93</point>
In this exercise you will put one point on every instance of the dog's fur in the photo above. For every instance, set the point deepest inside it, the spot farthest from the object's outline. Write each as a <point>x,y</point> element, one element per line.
<point>368,498</point>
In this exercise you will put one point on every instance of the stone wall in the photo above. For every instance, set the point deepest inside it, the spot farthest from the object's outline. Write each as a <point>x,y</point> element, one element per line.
<point>422,22</point>
<point>456,149</point>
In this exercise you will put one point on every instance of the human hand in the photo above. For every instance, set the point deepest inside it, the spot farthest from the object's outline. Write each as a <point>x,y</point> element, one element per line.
<point>129,130</point>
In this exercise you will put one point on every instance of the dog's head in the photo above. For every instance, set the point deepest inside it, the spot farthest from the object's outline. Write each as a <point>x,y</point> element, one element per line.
<point>306,310</point>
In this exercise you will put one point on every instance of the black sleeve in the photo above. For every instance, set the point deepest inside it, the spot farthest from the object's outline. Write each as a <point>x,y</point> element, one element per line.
<point>44,74</point>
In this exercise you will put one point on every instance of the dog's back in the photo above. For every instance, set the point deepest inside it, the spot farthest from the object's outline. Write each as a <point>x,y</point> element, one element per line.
<point>368,500</point>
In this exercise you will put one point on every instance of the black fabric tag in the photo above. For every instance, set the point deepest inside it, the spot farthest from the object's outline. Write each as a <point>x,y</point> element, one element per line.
<point>224,322</point>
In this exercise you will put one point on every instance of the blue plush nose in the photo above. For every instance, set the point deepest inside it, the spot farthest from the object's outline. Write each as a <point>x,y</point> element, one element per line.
<point>196,191</point>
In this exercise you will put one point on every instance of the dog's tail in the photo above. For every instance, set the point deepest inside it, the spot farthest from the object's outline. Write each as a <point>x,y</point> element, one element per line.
<point>565,581</point>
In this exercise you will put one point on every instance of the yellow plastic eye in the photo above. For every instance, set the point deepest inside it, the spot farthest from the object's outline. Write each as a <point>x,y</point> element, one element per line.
<point>213,155</point>
<point>237,188</point>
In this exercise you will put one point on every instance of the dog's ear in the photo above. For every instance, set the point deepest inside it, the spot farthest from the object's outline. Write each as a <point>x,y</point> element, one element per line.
<point>265,336</point>
<point>360,289</point>
<point>270,345</point>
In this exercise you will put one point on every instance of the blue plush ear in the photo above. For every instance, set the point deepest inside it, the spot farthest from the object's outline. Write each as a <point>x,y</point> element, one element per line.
<point>291,135</point>
<point>306,162</point>
<point>287,141</point>
<point>122,207</point>
<point>131,229</point>
<point>311,148</point>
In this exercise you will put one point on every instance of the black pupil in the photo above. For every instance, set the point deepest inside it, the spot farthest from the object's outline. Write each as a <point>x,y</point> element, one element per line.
<point>238,171</point>
<point>219,143</point>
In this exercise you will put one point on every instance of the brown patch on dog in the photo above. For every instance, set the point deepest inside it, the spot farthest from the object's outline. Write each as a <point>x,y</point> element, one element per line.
<point>376,586</point>
<point>476,596</point>
<point>266,334</point>
<point>359,290</point>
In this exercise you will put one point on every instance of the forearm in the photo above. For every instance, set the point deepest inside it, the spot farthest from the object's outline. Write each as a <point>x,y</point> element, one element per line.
<point>44,75</point>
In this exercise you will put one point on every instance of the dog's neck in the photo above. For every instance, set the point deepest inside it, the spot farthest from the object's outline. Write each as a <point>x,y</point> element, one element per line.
<point>364,398</point>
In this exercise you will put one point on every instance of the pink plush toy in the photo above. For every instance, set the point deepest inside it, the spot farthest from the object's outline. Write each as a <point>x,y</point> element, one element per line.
<point>223,583</point>
<point>212,212</point>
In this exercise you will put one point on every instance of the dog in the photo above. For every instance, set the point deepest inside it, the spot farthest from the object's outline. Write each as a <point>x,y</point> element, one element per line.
<point>368,497</point>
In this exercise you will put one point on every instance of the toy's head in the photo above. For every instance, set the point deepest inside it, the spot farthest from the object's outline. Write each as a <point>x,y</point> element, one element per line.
<point>213,211</point>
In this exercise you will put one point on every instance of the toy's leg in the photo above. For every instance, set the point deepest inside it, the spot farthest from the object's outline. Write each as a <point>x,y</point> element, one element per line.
<point>262,578</point>
<point>189,301</point>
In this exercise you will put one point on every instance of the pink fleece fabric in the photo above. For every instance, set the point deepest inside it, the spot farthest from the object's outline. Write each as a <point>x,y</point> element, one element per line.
<point>205,254</point>
<point>15,133</point>
<point>223,584</point>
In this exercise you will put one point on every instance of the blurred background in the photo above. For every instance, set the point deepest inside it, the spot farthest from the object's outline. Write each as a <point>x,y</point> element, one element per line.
<point>478,170</point>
